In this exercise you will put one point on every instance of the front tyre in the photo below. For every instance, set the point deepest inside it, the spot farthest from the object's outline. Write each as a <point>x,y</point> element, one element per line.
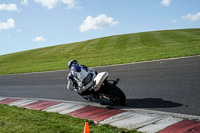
<point>117,96</point>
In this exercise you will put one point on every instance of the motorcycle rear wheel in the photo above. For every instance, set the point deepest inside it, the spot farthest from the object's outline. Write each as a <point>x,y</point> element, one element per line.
<point>115,94</point>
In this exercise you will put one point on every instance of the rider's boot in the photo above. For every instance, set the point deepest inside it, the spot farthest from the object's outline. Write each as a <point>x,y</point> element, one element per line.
<point>116,81</point>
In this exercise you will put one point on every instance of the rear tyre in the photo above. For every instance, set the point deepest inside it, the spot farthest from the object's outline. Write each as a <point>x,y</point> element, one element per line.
<point>116,95</point>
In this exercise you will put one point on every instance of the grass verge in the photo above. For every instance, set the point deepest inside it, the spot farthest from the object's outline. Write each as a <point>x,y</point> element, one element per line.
<point>20,120</point>
<point>106,51</point>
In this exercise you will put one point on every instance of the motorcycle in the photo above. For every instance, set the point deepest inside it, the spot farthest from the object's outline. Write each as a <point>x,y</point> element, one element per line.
<point>103,88</point>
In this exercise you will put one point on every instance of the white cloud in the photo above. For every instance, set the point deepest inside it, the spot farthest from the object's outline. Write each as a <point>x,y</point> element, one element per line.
<point>9,7</point>
<point>50,4</point>
<point>174,21</point>
<point>98,22</point>
<point>24,2</point>
<point>6,25</point>
<point>39,39</point>
<point>70,3</point>
<point>166,2</point>
<point>192,17</point>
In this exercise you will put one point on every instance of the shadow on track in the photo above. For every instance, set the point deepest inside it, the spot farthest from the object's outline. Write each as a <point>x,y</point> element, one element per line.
<point>151,103</point>
<point>143,103</point>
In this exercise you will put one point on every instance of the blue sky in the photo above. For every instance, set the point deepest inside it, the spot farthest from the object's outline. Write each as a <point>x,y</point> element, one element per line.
<point>30,24</point>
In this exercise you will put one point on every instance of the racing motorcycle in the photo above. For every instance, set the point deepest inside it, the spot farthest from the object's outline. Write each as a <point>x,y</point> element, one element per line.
<point>103,88</point>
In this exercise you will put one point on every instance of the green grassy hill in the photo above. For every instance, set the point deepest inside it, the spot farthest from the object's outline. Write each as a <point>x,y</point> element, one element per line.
<point>105,51</point>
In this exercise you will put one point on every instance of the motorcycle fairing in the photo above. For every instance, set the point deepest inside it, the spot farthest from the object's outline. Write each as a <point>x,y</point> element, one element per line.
<point>82,76</point>
<point>79,73</point>
<point>99,79</point>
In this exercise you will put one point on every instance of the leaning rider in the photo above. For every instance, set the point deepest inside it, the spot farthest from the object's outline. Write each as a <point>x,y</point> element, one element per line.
<point>80,78</point>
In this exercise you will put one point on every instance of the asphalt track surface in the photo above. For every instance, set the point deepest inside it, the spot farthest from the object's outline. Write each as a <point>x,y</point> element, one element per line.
<point>166,85</point>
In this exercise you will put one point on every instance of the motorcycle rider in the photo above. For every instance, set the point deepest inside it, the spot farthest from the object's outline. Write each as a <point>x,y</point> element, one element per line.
<point>80,78</point>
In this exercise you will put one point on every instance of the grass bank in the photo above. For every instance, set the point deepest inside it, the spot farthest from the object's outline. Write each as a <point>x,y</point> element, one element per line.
<point>106,51</point>
<point>20,120</point>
